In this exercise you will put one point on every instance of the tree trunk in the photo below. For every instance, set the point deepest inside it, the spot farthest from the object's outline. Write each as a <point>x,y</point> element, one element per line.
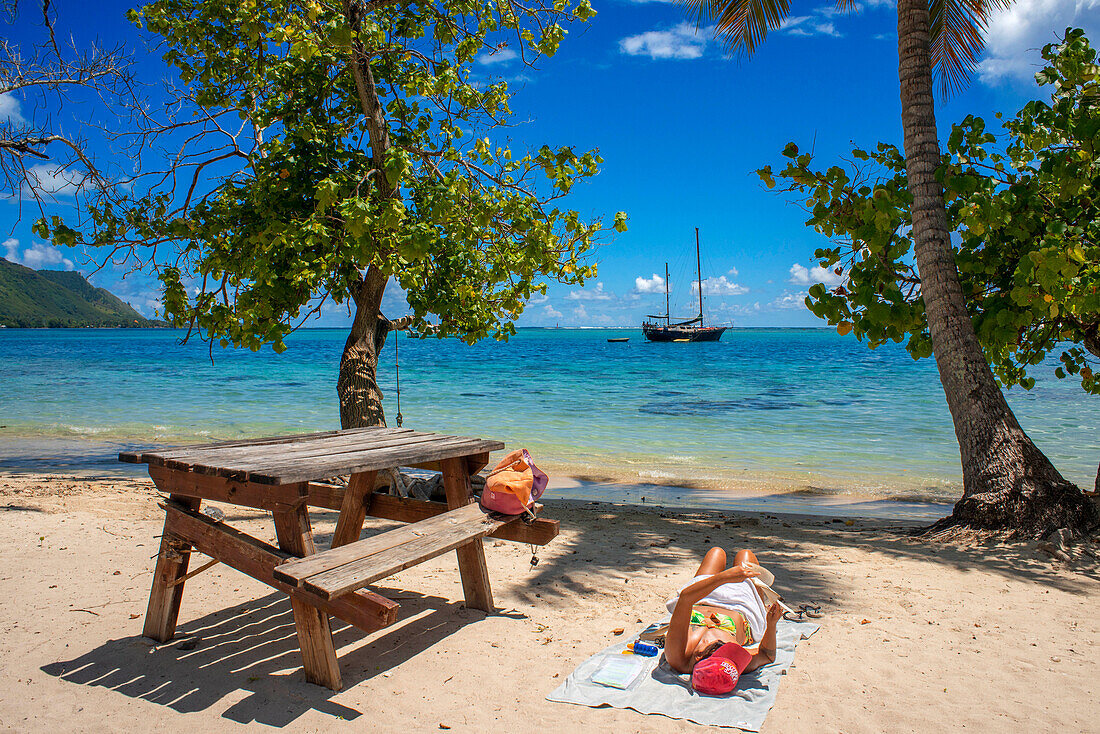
<point>1008,484</point>
<point>357,386</point>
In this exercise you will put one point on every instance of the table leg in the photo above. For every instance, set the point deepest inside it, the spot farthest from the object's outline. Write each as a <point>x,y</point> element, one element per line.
<point>471,556</point>
<point>353,511</point>
<point>314,634</point>
<point>167,591</point>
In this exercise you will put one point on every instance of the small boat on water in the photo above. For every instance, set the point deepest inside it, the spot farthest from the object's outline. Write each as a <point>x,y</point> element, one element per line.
<point>690,330</point>
<point>619,339</point>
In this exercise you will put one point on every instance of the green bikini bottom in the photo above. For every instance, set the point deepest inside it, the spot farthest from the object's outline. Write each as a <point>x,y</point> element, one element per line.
<point>721,621</point>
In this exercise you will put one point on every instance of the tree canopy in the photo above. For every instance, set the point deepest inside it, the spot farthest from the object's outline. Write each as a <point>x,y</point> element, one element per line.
<point>1026,218</point>
<point>304,143</point>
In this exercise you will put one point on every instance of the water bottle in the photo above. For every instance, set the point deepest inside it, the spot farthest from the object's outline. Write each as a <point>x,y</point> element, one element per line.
<point>644,648</point>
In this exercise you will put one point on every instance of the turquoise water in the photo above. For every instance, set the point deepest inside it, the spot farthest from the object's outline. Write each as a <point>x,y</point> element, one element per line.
<point>761,411</point>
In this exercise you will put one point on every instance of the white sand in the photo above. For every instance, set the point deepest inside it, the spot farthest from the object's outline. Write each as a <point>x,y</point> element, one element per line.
<point>994,638</point>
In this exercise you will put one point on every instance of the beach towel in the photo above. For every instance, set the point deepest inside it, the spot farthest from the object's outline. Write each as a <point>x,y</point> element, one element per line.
<point>657,689</point>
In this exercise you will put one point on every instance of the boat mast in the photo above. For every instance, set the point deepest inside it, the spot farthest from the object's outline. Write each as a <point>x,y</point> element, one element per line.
<point>668,319</point>
<point>699,273</point>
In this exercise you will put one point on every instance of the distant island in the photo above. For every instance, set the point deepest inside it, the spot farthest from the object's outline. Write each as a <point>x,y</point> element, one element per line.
<point>60,299</point>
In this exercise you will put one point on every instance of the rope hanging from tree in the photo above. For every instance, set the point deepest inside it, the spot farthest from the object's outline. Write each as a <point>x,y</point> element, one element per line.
<point>397,373</point>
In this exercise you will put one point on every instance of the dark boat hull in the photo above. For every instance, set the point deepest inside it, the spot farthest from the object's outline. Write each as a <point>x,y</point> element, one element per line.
<point>658,333</point>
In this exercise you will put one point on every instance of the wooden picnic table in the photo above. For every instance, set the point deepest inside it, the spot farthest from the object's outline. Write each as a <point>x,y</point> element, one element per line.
<point>287,475</point>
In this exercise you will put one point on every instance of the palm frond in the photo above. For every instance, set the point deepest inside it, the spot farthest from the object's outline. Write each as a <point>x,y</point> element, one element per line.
<point>743,24</point>
<point>958,38</point>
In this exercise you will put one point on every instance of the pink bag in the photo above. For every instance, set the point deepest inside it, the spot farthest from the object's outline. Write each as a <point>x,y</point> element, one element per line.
<point>514,485</point>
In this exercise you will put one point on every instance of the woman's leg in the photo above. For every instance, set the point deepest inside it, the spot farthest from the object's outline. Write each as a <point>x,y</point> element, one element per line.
<point>745,555</point>
<point>713,562</point>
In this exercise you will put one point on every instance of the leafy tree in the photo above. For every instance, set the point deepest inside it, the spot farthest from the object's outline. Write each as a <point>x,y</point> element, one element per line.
<point>313,150</point>
<point>1028,255</point>
<point>1008,483</point>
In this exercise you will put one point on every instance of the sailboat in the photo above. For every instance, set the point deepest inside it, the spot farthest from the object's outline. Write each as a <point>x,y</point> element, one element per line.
<point>690,330</point>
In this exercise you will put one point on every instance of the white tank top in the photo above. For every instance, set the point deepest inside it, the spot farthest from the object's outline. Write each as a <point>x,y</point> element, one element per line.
<point>740,597</point>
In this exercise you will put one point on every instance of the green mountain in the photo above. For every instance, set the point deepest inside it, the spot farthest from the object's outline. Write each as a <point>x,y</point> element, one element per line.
<point>55,298</point>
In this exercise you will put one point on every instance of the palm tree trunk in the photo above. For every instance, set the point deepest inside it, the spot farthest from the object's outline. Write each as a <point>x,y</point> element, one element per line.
<point>1008,484</point>
<point>357,386</point>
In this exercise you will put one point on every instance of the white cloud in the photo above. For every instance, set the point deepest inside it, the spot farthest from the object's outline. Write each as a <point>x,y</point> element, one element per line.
<point>537,299</point>
<point>682,42</point>
<point>820,28</point>
<point>581,313</point>
<point>1016,34</point>
<point>54,181</point>
<point>738,309</point>
<point>800,275</point>
<point>719,286</point>
<point>550,312</point>
<point>39,256</point>
<point>790,301</point>
<point>818,24</point>
<point>793,21</point>
<point>733,272</point>
<point>500,56</point>
<point>656,284</point>
<point>11,110</point>
<point>596,294</point>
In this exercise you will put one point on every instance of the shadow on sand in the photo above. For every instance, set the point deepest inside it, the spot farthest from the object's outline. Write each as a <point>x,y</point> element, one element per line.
<point>657,539</point>
<point>245,652</point>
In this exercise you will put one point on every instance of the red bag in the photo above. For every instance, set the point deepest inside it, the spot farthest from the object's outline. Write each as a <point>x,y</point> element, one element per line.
<point>514,485</point>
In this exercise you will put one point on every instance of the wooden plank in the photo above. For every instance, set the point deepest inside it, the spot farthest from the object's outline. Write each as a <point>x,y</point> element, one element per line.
<point>471,555</point>
<point>389,507</point>
<point>295,572</point>
<point>310,622</point>
<point>372,460</point>
<point>261,496</point>
<point>412,545</point>
<point>334,442</point>
<point>353,509</point>
<point>364,609</point>
<point>226,456</point>
<point>274,456</point>
<point>166,593</point>
<point>474,464</point>
<point>330,496</point>
<point>136,457</point>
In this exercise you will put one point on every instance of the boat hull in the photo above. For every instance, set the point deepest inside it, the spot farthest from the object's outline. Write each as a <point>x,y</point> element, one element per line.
<point>657,333</point>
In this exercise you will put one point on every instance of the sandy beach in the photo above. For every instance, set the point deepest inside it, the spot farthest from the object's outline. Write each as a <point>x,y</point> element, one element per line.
<point>915,636</point>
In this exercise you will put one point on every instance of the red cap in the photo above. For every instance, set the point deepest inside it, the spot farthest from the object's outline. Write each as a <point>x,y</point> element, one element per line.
<point>717,674</point>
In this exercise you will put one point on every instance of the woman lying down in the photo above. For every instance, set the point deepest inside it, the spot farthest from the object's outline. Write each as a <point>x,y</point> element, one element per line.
<point>720,627</point>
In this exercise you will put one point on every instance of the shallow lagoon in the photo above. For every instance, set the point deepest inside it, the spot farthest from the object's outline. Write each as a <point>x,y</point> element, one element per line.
<point>763,413</point>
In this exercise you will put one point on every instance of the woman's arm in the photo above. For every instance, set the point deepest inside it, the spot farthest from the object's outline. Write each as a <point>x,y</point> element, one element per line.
<point>766,653</point>
<point>676,639</point>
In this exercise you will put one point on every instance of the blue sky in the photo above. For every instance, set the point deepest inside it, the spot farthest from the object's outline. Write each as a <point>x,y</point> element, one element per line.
<point>681,128</point>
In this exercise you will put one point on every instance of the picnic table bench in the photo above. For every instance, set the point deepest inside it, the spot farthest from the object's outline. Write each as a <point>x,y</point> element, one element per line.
<point>286,476</point>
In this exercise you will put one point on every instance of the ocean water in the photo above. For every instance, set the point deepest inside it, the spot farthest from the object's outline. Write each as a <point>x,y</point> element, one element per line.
<point>802,413</point>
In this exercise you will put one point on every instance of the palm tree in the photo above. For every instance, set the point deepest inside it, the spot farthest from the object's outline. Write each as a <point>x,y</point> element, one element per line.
<point>1008,483</point>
